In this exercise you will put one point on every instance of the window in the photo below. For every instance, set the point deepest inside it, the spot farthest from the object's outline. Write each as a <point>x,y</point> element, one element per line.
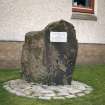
<point>83,6</point>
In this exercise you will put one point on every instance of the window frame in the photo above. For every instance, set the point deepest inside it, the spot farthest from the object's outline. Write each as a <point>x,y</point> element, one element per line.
<point>89,10</point>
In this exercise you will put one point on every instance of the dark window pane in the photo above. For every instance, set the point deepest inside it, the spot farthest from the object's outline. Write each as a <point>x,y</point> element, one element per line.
<point>84,3</point>
<point>81,2</point>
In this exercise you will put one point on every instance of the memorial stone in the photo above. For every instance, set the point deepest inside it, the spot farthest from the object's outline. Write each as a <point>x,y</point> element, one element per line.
<point>49,56</point>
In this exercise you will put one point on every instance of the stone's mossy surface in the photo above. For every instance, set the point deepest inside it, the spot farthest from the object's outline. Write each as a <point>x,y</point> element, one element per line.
<point>48,62</point>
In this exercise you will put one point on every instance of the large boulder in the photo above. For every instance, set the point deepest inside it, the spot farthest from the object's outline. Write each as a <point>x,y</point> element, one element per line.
<point>47,61</point>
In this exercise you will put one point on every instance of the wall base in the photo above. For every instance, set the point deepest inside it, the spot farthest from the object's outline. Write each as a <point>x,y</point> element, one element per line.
<point>10,54</point>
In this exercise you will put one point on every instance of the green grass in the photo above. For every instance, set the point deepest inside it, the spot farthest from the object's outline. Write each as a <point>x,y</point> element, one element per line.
<point>93,75</point>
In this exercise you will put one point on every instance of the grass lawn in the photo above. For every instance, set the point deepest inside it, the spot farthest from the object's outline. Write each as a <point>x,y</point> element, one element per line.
<point>93,75</point>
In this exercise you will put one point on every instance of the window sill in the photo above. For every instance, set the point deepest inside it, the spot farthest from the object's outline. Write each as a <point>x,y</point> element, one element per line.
<point>83,16</point>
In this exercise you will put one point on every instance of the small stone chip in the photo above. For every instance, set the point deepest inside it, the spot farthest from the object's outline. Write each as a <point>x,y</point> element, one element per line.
<point>58,98</point>
<point>44,98</point>
<point>70,96</point>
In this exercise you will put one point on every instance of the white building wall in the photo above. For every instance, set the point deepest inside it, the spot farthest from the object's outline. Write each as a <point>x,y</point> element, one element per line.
<point>18,17</point>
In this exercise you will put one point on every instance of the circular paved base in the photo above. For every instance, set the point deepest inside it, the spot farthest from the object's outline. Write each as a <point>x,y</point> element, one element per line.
<point>22,88</point>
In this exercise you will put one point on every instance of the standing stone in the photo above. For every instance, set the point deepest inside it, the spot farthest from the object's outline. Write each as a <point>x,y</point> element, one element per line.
<point>47,62</point>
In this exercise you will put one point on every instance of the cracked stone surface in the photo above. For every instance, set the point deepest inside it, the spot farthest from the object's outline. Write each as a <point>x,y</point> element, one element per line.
<point>23,88</point>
